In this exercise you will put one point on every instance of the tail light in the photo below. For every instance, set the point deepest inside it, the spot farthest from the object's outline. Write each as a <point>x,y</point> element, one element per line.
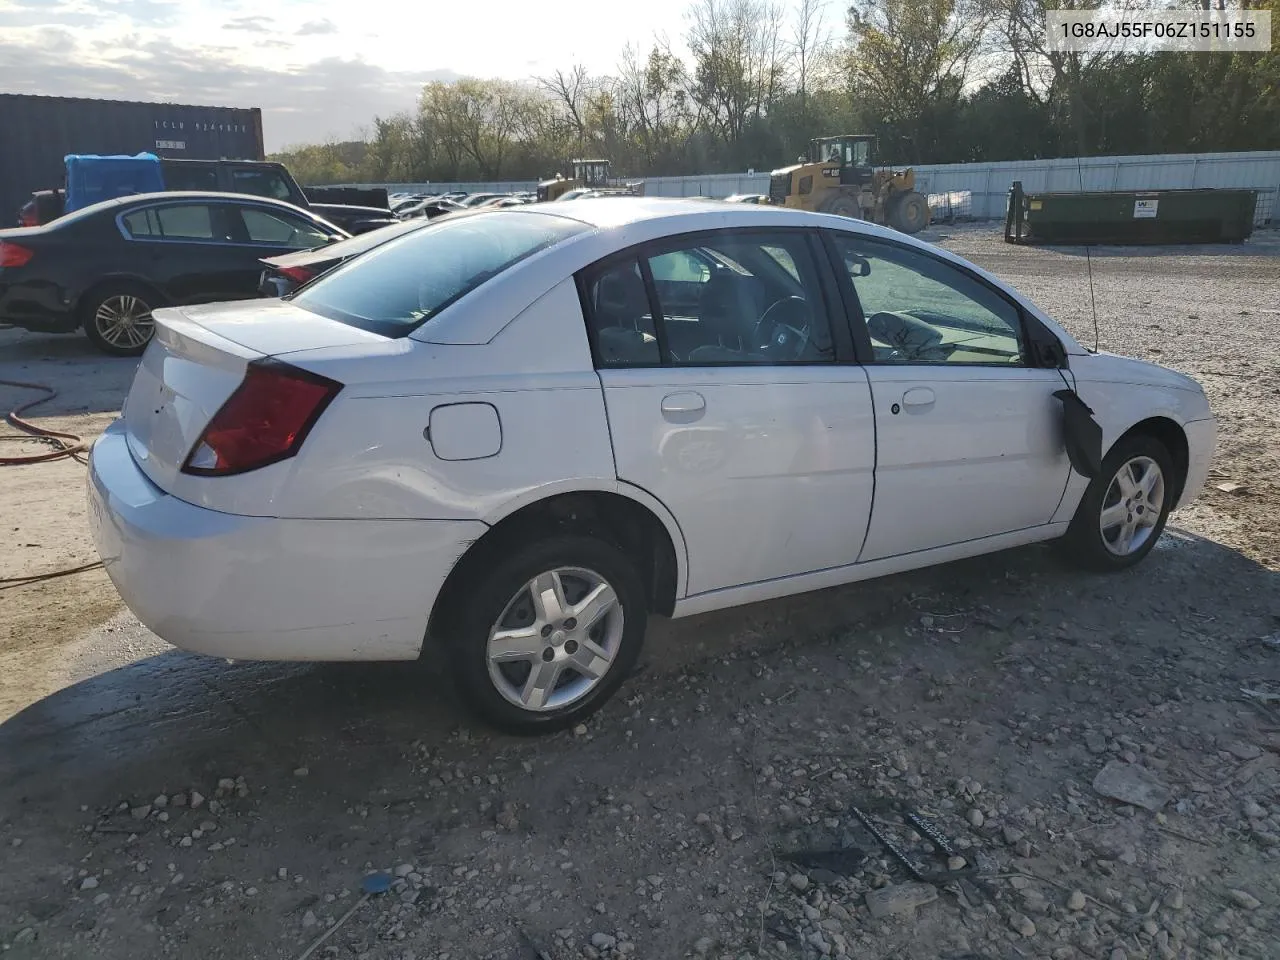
<point>14,255</point>
<point>298,275</point>
<point>263,422</point>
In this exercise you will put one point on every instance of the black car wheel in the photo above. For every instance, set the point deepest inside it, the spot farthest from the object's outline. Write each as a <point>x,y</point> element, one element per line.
<point>118,320</point>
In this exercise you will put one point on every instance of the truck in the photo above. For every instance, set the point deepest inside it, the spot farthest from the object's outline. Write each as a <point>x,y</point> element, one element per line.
<point>199,148</point>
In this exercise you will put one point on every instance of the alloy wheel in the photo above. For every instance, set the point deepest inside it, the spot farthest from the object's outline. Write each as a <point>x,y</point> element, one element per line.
<point>556,639</point>
<point>124,321</point>
<point>1132,507</point>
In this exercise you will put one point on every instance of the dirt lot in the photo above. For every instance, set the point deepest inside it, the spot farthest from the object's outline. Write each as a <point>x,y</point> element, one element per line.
<point>158,804</point>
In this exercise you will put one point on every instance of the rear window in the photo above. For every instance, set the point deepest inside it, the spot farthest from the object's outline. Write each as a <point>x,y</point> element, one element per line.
<point>261,182</point>
<point>395,288</point>
<point>367,241</point>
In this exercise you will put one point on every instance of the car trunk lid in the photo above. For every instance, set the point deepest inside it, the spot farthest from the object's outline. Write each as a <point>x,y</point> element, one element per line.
<point>197,360</point>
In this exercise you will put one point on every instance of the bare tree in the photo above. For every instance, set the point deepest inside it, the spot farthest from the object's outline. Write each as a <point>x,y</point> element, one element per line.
<point>739,61</point>
<point>570,90</point>
<point>652,103</point>
<point>1047,74</point>
<point>809,43</point>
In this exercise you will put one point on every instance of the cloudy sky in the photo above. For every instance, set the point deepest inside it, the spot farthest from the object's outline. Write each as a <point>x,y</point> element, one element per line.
<point>318,68</point>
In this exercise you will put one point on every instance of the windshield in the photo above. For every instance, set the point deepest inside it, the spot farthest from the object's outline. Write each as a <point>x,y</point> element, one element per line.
<point>395,288</point>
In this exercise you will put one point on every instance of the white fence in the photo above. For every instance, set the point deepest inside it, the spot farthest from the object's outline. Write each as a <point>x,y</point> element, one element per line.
<point>987,184</point>
<point>709,185</point>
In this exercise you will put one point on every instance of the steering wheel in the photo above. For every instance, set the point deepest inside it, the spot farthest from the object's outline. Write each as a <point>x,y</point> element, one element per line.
<point>777,332</point>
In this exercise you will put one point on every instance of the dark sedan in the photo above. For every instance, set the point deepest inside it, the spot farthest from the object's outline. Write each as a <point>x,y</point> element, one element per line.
<point>106,267</point>
<point>288,271</point>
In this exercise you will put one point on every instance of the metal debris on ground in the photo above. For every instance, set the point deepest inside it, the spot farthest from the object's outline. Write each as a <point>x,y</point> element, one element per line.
<point>372,885</point>
<point>943,848</point>
<point>887,842</point>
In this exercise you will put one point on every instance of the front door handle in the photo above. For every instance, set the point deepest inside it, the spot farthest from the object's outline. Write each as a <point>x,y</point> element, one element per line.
<point>918,399</point>
<point>685,405</point>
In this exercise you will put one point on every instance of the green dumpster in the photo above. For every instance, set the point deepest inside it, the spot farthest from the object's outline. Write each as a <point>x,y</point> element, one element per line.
<point>1149,216</point>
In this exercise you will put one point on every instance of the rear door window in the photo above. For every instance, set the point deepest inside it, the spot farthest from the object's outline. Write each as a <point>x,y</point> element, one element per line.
<point>178,221</point>
<point>759,300</point>
<point>143,223</point>
<point>395,288</point>
<point>188,221</point>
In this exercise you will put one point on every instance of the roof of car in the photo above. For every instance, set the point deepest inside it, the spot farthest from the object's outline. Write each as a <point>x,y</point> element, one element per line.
<point>607,212</point>
<point>211,196</point>
<point>615,211</point>
<point>196,195</point>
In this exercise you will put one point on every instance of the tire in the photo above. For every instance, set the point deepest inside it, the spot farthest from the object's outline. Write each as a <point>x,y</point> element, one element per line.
<point>843,205</point>
<point>501,692</point>
<point>130,301</point>
<point>909,213</point>
<point>1087,543</point>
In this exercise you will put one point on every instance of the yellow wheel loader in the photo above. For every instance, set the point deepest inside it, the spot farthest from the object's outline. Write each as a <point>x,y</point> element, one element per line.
<point>839,176</point>
<point>587,175</point>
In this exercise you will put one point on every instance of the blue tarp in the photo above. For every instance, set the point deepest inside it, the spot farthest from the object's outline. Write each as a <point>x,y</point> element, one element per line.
<point>92,179</point>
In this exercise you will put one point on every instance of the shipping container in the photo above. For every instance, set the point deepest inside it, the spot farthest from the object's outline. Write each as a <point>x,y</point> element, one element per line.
<point>36,133</point>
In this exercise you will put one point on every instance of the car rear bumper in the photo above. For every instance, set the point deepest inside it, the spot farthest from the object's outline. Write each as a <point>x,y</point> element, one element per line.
<point>1202,437</point>
<point>261,588</point>
<point>36,306</point>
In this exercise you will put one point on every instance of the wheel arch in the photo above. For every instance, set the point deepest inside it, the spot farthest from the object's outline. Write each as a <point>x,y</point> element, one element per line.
<point>117,279</point>
<point>627,516</point>
<point>1174,439</point>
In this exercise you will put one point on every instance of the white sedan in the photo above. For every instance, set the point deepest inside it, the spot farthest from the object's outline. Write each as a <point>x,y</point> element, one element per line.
<point>518,433</point>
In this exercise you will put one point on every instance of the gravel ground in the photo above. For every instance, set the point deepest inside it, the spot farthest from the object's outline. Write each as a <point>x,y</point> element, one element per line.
<point>1100,755</point>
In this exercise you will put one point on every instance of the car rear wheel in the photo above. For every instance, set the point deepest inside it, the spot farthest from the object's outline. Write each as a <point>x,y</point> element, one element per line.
<point>118,319</point>
<point>544,637</point>
<point>1124,510</point>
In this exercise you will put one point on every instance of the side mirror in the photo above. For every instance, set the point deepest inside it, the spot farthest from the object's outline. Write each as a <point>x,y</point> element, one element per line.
<point>858,266</point>
<point>1047,351</point>
<point>1054,355</point>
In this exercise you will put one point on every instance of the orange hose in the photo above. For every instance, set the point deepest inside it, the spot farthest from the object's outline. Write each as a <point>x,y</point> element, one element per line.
<point>65,444</point>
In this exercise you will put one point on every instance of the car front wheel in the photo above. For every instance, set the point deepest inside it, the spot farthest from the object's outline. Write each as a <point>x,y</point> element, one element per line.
<point>548,634</point>
<point>1124,509</point>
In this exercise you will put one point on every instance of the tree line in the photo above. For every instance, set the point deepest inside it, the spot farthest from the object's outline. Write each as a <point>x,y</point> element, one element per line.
<point>938,81</point>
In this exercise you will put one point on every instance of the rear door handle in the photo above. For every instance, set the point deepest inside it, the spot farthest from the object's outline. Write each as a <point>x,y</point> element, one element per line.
<point>918,398</point>
<point>686,404</point>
